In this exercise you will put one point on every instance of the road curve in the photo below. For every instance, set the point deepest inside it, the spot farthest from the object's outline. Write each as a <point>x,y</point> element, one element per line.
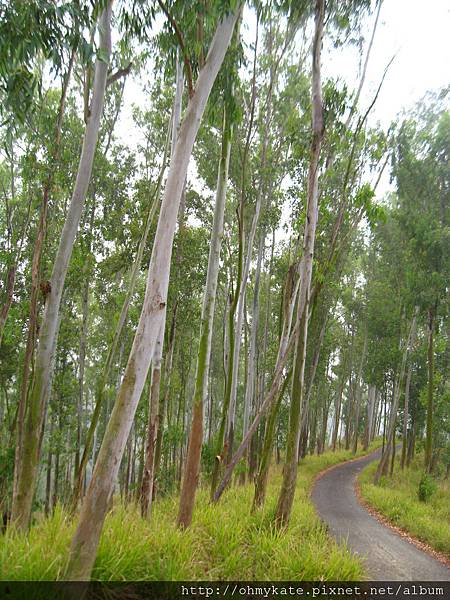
<point>387,556</point>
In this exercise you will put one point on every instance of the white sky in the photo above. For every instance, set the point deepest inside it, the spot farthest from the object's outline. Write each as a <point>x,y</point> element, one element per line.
<point>418,32</point>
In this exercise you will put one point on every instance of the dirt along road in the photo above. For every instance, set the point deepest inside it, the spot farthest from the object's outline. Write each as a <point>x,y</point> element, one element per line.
<point>387,555</point>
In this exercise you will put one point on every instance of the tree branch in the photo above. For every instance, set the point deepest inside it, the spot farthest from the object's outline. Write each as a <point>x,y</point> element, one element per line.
<point>179,35</point>
<point>123,72</point>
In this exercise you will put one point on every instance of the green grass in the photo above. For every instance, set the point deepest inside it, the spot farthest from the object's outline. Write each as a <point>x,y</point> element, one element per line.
<point>225,541</point>
<point>396,498</point>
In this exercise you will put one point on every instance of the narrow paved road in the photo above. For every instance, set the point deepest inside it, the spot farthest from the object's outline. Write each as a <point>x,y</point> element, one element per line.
<point>387,556</point>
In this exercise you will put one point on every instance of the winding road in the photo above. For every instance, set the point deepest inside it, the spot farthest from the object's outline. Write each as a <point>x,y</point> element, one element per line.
<point>387,555</point>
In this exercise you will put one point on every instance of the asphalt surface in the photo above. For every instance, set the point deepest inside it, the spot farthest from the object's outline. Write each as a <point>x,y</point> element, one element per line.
<point>387,555</point>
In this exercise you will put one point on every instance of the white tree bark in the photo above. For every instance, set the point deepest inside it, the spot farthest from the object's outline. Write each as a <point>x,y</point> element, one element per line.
<point>86,538</point>
<point>251,371</point>
<point>27,475</point>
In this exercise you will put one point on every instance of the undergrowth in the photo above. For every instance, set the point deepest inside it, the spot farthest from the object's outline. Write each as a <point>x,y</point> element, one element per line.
<point>225,541</point>
<point>397,498</point>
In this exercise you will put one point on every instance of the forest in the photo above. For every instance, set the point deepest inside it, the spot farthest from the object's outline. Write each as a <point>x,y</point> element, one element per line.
<point>214,289</point>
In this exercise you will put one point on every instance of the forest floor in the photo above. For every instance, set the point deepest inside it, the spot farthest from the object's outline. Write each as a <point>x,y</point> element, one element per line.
<point>225,541</point>
<point>386,554</point>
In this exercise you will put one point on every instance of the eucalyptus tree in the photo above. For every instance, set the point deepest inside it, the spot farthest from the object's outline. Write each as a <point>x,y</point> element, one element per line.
<point>340,231</point>
<point>86,538</point>
<point>422,177</point>
<point>287,491</point>
<point>192,466</point>
<point>29,451</point>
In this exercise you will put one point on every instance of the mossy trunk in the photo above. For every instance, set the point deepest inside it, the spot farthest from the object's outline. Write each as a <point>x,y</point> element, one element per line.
<point>429,422</point>
<point>287,492</point>
<point>192,467</point>
<point>266,452</point>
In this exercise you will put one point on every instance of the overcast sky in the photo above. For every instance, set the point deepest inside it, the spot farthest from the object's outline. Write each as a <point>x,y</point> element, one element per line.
<point>418,32</point>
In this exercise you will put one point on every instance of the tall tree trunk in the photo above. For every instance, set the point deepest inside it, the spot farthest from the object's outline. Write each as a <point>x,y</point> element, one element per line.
<point>289,297</point>
<point>34,419</point>
<point>305,407</point>
<point>83,338</point>
<point>266,452</point>
<point>85,541</point>
<point>390,437</point>
<point>109,362</point>
<point>406,411</point>
<point>287,492</point>
<point>371,392</point>
<point>429,423</point>
<point>163,407</point>
<point>287,342</point>
<point>359,394</point>
<point>250,387</point>
<point>48,483</point>
<point>192,467</point>
<point>152,431</point>
<point>226,427</point>
<point>338,404</point>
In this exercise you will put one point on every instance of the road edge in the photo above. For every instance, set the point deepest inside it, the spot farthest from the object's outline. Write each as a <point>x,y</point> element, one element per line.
<point>406,535</point>
<point>339,464</point>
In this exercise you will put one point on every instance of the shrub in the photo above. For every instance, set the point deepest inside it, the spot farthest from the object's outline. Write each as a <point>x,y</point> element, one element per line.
<point>427,487</point>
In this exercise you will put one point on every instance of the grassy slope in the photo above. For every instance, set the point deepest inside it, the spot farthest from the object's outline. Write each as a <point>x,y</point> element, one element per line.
<point>225,541</point>
<point>397,499</point>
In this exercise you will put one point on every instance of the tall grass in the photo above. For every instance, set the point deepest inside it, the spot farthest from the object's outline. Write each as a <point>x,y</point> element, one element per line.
<point>397,499</point>
<point>225,541</point>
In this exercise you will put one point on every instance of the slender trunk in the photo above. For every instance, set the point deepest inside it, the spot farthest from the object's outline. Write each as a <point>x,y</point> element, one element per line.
<point>48,483</point>
<point>287,491</point>
<point>37,251</point>
<point>338,404</point>
<point>11,277</point>
<point>28,464</point>
<point>152,431</point>
<point>305,408</point>
<point>252,355</point>
<point>390,437</point>
<point>164,400</point>
<point>287,342</point>
<point>429,423</point>
<point>243,281</point>
<point>86,538</point>
<point>192,467</point>
<point>82,345</point>
<point>226,427</point>
<point>369,416</point>
<point>393,454</point>
<point>266,453</point>
<point>359,394</point>
<point>109,362</point>
<point>406,411</point>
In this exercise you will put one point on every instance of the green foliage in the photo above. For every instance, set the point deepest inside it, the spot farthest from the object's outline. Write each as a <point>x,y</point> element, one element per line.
<point>30,31</point>
<point>427,487</point>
